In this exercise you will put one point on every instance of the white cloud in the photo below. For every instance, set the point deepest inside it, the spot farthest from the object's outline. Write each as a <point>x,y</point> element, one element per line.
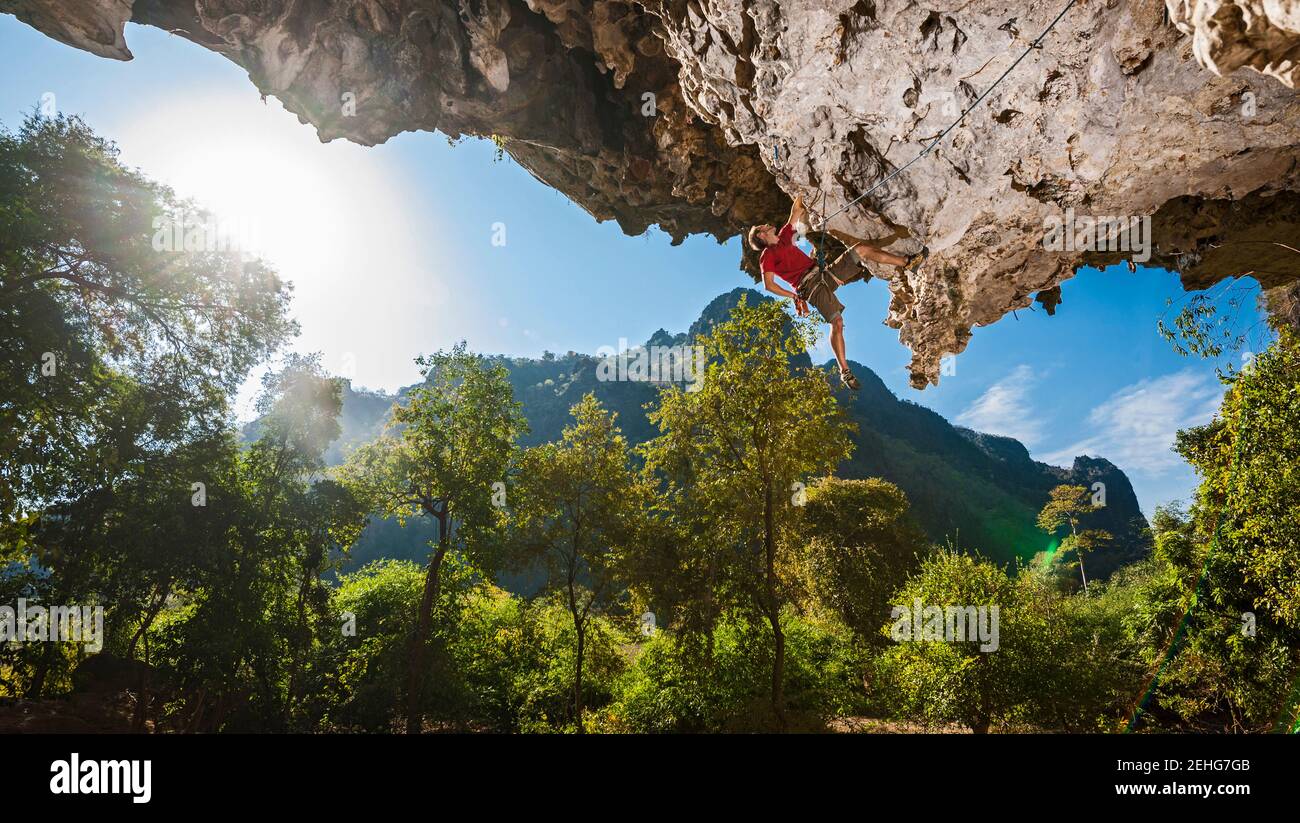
<point>1004,408</point>
<point>1134,428</point>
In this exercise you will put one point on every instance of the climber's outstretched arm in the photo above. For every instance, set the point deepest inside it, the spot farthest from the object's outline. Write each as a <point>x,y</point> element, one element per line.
<point>798,214</point>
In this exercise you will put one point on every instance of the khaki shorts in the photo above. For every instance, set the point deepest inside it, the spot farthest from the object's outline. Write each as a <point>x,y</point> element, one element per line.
<point>818,286</point>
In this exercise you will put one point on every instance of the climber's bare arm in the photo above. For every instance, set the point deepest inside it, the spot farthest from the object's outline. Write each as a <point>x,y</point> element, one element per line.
<point>769,283</point>
<point>798,214</point>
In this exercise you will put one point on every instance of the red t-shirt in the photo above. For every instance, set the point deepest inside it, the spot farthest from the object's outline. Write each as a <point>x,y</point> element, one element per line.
<point>786,260</point>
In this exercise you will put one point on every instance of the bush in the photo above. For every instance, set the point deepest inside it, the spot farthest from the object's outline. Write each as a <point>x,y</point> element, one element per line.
<point>673,688</point>
<point>518,656</point>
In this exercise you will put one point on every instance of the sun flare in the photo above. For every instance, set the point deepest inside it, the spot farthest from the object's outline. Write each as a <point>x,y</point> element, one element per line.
<point>334,219</point>
<point>261,174</point>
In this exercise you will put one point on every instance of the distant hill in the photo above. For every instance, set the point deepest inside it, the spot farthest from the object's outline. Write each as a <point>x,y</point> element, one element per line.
<point>980,491</point>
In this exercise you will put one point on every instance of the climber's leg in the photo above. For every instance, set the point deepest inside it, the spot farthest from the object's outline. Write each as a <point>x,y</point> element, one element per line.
<point>818,288</point>
<point>837,343</point>
<point>851,266</point>
<point>848,268</point>
<point>837,346</point>
<point>876,255</point>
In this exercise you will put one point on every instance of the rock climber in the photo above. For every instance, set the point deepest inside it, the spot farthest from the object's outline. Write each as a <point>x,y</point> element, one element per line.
<point>780,257</point>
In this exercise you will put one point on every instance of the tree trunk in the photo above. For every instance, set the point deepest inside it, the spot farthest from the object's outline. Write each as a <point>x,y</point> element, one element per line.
<point>150,615</point>
<point>301,646</point>
<point>1078,551</point>
<point>579,630</point>
<point>778,672</point>
<point>424,627</point>
<point>577,675</point>
<point>711,612</point>
<point>143,699</point>
<point>774,613</point>
<point>43,664</point>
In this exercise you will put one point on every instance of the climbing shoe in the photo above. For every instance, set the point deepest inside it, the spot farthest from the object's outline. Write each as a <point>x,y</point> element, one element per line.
<point>914,262</point>
<point>849,381</point>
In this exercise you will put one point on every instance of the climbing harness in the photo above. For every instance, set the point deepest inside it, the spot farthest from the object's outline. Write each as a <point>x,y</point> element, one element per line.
<point>1033,46</point>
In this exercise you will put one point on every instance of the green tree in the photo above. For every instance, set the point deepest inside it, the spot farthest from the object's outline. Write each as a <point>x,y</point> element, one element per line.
<point>1048,666</point>
<point>666,691</point>
<point>241,632</point>
<point>358,678</point>
<point>1249,461</point>
<point>729,456</point>
<point>1067,506</point>
<point>574,508</point>
<point>120,530</point>
<point>311,519</point>
<point>1210,668</point>
<point>85,293</point>
<point>116,362</point>
<point>455,440</point>
<point>861,545</point>
<point>1219,613</point>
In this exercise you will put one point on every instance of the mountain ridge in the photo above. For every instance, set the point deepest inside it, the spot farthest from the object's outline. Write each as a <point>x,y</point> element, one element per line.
<point>979,491</point>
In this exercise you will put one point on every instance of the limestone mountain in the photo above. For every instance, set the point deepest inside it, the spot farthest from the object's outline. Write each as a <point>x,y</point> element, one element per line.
<point>980,491</point>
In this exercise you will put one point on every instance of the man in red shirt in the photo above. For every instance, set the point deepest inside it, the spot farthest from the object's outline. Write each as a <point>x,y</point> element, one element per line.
<point>780,257</point>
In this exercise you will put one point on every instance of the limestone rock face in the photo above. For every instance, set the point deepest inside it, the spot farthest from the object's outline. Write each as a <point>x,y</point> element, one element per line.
<point>94,26</point>
<point>1262,34</point>
<point>1110,118</point>
<point>708,115</point>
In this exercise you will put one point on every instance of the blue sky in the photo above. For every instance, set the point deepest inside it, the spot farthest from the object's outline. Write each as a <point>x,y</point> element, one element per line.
<point>391,253</point>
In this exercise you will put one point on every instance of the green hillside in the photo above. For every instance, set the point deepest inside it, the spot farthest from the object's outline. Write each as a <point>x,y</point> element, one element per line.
<point>979,491</point>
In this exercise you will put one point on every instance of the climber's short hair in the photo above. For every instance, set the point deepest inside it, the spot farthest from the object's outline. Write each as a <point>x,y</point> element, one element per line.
<point>755,242</point>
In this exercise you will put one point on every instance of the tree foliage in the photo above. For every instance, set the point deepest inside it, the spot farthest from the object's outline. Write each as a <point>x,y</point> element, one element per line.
<point>454,440</point>
<point>1067,506</point>
<point>575,510</point>
<point>859,545</point>
<point>728,459</point>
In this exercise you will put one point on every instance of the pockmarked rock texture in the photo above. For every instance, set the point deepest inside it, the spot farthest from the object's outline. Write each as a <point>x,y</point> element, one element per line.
<point>1261,34</point>
<point>1177,120</point>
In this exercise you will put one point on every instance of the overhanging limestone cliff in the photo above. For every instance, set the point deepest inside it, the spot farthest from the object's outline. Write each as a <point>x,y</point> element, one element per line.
<point>707,115</point>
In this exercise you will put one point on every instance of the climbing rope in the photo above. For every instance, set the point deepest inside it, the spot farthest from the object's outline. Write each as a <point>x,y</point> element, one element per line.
<point>1034,45</point>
